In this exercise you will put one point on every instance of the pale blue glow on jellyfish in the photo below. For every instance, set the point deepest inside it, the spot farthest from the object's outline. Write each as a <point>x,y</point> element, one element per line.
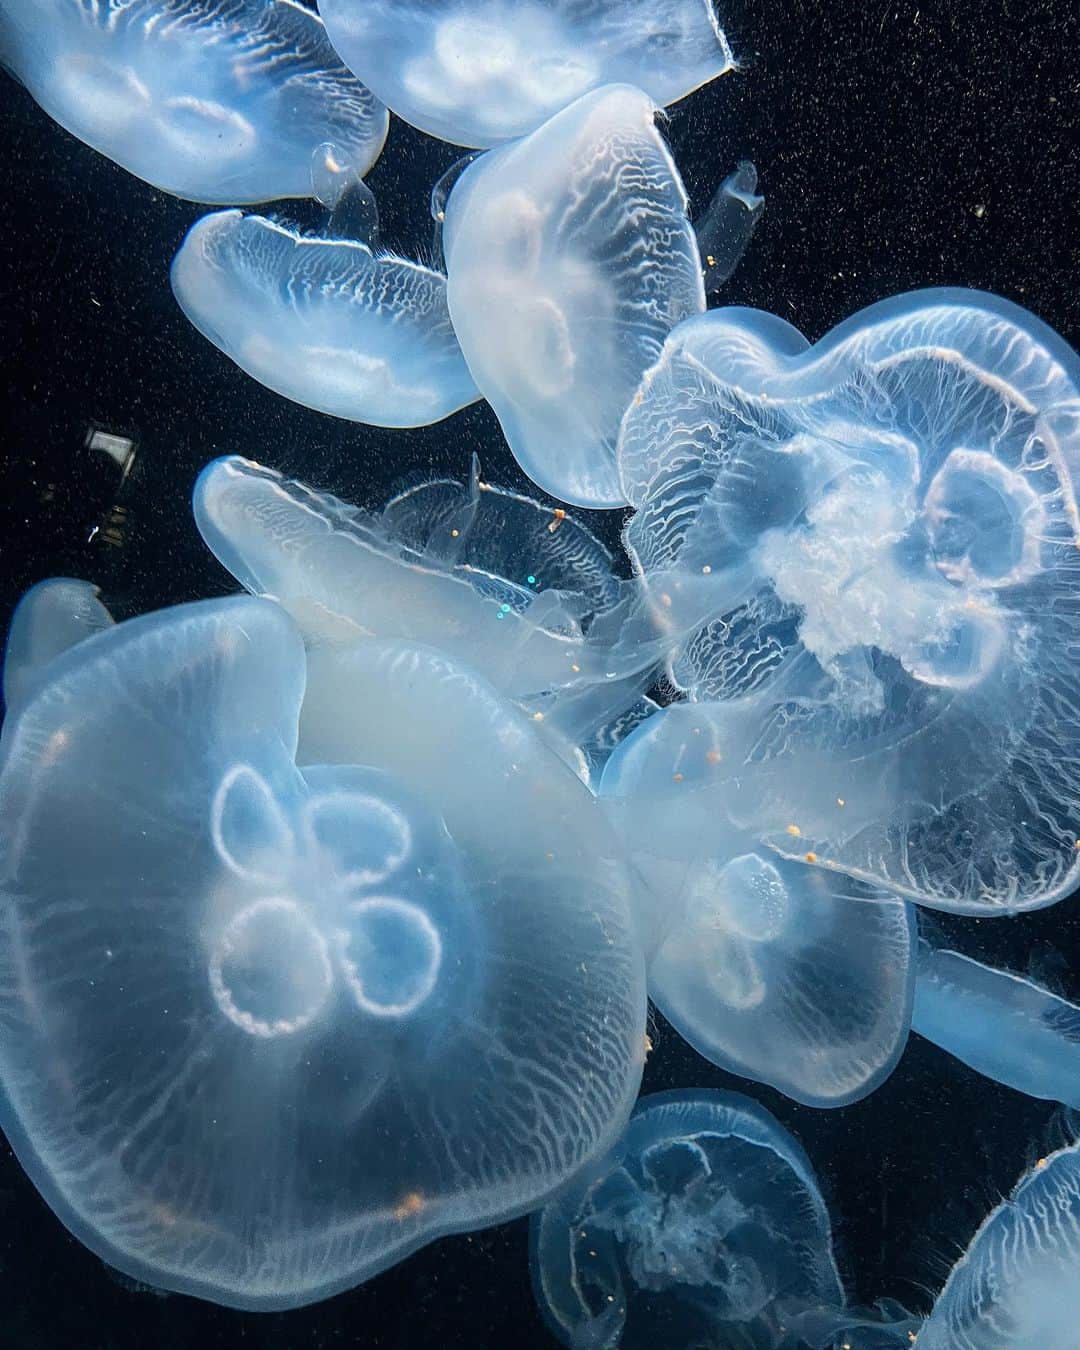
<point>51,617</point>
<point>334,324</point>
<point>777,970</point>
<point>867,553</point>
<point>519,591</point>
<point>265,1030</point>
<point>1001,1025</point>
<point>477,72</point>
<point>569,258</point>
<point>213,100</point>
<point>704,1226</point>
<point>1016,1286</point>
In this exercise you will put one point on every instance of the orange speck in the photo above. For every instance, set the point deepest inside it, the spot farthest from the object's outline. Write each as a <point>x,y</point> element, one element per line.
<point>707,570</point>
<point>560,516</point>
<point>713,756</point>
<point>1041,1163</point>
<point>410,1204</point>
<point>665,600</point>
<point>794,831</point>
<point>648,1045</point>
<point>454,534</point>
<point>576,669</point>
<point>811,857</point>
<point>676,777</point>
<point>840,801</point>
<point>538,716</point>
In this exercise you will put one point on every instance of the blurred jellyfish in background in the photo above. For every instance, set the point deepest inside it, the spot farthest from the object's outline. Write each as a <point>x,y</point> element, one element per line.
<point>213,100</point>
<point>867,554</point>
<point>1016,1286</point>
<point>703,1227</point>
<point>569,258</point>
<point>1001,1025</point>
<point>773,969</point>
<point>419,1008</point>
<point>334,323</point>
<point>477,72</point>
<point>521,592</point>
<point>51,617</point>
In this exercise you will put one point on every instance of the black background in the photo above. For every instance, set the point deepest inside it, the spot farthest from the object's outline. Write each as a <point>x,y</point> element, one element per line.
<point>900,144</point>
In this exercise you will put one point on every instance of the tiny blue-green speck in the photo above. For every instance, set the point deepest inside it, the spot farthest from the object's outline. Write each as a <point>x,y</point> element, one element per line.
<point>531,580</point>
<point>506,609</point>
<point>500,615</point>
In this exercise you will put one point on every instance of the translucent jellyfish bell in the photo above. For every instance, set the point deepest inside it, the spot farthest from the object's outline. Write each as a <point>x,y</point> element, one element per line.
<point>1008,1028</point>
<point>213,100</point>
<point>477,72</point>
<point>331,323</point>
<point>777,970</point>
<point>866,552</point>
<point>267,1030</point>
<point>703,1226</point>
<point>519,591</point>
<point>51,617</point>
<point>1016,1284</point>
<point>569,259</point>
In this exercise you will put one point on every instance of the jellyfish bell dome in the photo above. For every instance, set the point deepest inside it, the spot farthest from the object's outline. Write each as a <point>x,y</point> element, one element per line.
<point>479,72</point>
<point>570,257</point>
<point>867,550</point>
<point>779,970</point>
<point>703,1225</point>
<point>268,1029</point>
<point>212,101</point>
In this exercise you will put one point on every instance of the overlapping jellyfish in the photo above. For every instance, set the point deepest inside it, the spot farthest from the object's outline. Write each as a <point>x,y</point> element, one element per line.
<point>478,72</point>
<point>520,592</point>
<point>866,552</point>
<point>268,1028</point>
<point>213,100</point>
<point>703,1226</point>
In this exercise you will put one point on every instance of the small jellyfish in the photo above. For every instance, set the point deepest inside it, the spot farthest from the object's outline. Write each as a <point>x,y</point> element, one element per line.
<point>703,1226</point>
<point>477,72</point>
<point>725,227</point>
<point>866,554</point>
<point>1003,1026</point>
<point>213,100</point>
<point>522,593</point>
<point>1016,1286</point>
<point>51,617</point>
<point>784,972</point>
<point>331,323</point>
<point>569,259</point>
<point>266,1029</point>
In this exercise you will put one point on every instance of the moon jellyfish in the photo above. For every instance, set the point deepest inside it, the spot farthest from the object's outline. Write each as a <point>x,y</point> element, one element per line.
<point>866,552</point>
<point>520,592</point>
<point>777,970</point>
<point>264,1030</point>
<point>477,72</point>
<point>328,323</point>
<point>51,617</point>
<point>1016,1286</point>
<point>1003,1026</point>
<point>569,259</point>
<point>703,1226</point>
<point>213,100</point>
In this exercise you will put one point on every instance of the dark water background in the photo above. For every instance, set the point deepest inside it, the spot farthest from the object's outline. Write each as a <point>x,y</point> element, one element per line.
<point>901,143</point>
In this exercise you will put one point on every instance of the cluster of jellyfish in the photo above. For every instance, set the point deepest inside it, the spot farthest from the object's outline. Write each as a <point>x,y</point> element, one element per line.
<point>367,872</point>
